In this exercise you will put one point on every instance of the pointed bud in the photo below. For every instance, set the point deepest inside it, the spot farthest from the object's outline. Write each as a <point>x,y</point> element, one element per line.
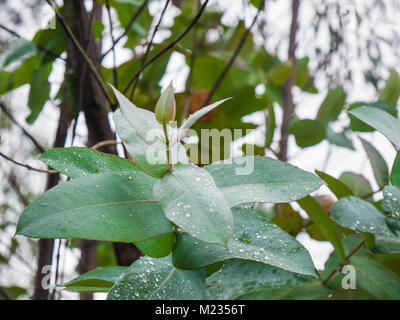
<point>165,107</point>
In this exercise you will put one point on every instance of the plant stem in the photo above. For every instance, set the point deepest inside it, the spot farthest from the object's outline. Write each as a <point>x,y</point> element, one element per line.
<point>335,272</point>
<point>169,162</point>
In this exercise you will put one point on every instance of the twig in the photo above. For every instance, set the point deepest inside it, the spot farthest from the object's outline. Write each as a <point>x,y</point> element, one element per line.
<point>9,115</point>
<point>27,166</point>
<point>89,61</point>
<point>128,26</point>
<point>351,253</point>
<point>234,56</point>
<point>40,47</point>
<point>170,46</point>
<point>115,74</point>
<point>103,143</point>
<point>149,47</point>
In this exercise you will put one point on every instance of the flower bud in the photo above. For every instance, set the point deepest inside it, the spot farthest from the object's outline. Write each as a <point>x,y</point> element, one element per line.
<point>165,107</point>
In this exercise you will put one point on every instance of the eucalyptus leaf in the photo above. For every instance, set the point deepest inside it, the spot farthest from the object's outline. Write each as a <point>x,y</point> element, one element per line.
<point>111,207</point>
<point>261,179</point>
<point>254,239</point>
<point>98,280</point>
<point>382,121</point>
<point>391,201</point>
<point>359,215</point>
<point>157,279</point>
<point>76,162</point>
<point>240,277</point>
<point>192,201</point>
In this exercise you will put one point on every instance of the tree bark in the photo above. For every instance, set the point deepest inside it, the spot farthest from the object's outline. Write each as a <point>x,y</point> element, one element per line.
<point>287,98</point>
<point>94,106</point>
<point>45,254</point>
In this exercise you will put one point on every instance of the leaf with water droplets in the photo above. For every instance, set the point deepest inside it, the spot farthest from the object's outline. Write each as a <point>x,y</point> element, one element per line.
<point>391,201</point>
<point>98,280</point>
<point>157,279</point>
<point>382,121</point>
<point>261,179</point>
<point>254,238</point>
<point>192,201</point>
<point>76,162</point>
<point>110,206</point>
<point>240,277</point>
<point>360,215</point>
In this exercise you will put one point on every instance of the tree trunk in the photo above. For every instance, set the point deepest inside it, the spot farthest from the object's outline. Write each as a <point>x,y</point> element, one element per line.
<point>94,106</point>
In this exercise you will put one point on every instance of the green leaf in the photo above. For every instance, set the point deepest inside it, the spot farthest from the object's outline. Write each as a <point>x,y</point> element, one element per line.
<point>387,244</point>
<point>193,118</point>
<point>98,28</point>
<point>395,173</point>
<point>335,185</point>
<point>279,73</point>
<point>159,246</point>
<point>358,125</point>
<point>326,225</point>
<point>339,139</point>
<point>76,162</point>
<point>192,201</point>
<point>157,279</point>
<point>254,238</point>
<point>359,215</point>
<point>98,280</point>
<point>378,164</point>
<point>20,76</point>
<point>111,207</point>
<point>391,92</point>
<point>391,201</point>
<point>382,121</point>
<point>307,132</point>
<point>240,277</point>
<point>19,49</point>
<point>39,91</point>
<point>287,219</point>
<point>269,135</point>
<point>359,185</point>
<point>311,291</point>
<point>376,279</point>
<point>332,105</point>
<point>261,179</point>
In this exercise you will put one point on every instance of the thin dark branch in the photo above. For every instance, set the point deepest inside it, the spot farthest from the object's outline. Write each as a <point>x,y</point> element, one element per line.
<point>128,26</point>
<point>75,41</point>
<point>40,47</point>
<point>27,166</point>
<point>9,115</point>
<point>351,253</point>
<point>170,46</point>
<point>287,98</point>
<point>115,73</point>
<point>233,58</point>
<point>149,46</point>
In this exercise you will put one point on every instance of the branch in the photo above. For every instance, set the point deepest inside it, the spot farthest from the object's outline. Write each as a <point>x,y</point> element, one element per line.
<point>9,115</point>
<point>104,143</point>
<point>89,61</point>
<point>170,46</point>
<point>149,46</point>
<point>233,58</point>
<point>287,103</point>
<point>115,75</point>
<point>40,47</point>
<point>128,26</point>
<point>27,166</point>
<point>335,272</point>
